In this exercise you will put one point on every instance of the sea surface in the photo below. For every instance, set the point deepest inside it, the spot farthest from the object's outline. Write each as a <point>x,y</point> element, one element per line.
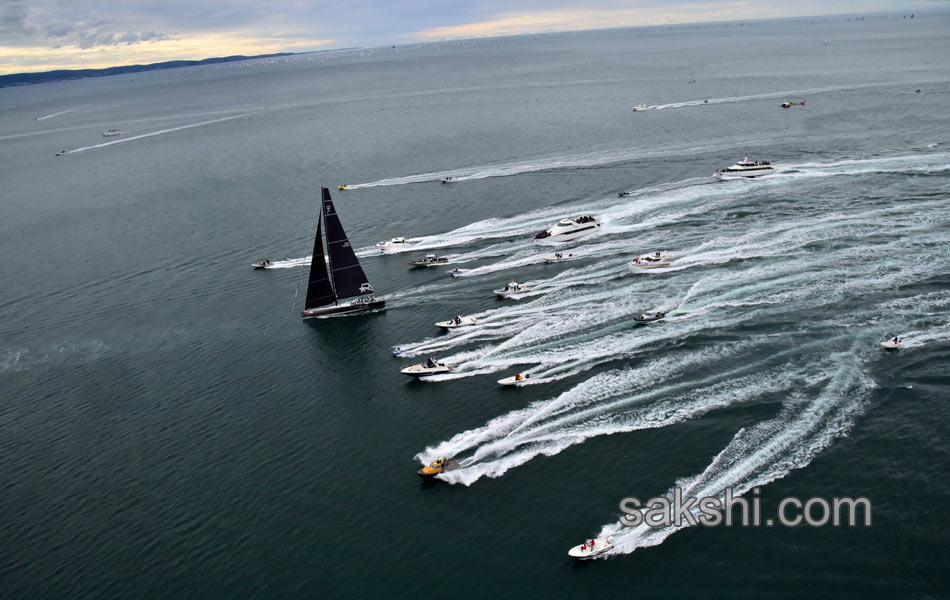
<point>170,428</point>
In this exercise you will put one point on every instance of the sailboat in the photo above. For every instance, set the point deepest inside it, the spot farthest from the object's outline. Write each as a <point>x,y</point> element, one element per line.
<point>345,277</point>
<point>691,78</point>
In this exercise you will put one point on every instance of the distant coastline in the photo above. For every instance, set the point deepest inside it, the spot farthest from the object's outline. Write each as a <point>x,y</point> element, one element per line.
<point>67,74</point>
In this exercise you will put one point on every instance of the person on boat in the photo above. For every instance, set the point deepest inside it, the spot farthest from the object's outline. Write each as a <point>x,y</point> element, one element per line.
<point>430,364</point>
<point>517,376</point>
<point>896,339</point>
<point>458,319</point>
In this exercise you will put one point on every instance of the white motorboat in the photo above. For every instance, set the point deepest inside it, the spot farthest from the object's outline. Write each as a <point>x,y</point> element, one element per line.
<point>262,264</point>
<point>652,261</point>
<point>456,272</point>
<point>516,379</point>
<point>429,367</point>
<point>457,322</point>
<point>429,260</point>
<point>566,230</point>
<point>625,194</point>
<point>892,344</point>
<point>512,290</point>
<point>558,257</point>
<point>746,168</point>
<point>640,108</point>
<point>592,548</point>
<point>396,242</point>
<point>649,317</point>
<point>111,133</point>
<point>448,179</point>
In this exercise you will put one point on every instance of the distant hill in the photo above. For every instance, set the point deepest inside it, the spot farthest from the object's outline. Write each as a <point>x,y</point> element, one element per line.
<point>61,75</point>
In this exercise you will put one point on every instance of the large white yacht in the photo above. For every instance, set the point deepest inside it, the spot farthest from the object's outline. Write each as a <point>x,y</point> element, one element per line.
<point>566,230</point>
<point>746,168</point>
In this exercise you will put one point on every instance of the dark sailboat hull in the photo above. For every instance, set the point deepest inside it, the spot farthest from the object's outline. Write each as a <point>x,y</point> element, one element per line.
<point>343,310</point>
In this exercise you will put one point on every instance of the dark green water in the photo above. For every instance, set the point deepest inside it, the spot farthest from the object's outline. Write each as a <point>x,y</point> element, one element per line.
<point>170,428</point>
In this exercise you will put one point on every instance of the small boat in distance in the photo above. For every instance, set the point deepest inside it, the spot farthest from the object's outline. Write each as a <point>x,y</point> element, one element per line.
<point>649,317</point>
<point>892,344</point>
<point>516,379</point>
<point>791,104</point>
<point>429,367</point>
<point>641,108</point>
<point>566,230</point>
<point>448,179</point>
<point>458,321</point>
<point>512,290</point>
<point>262,264</point>
<point>439,465</point>
<point>342,187</point>
<point>62,152</point>
<point>339,276</point>
<point>396,242</point>
<point>558,257</point>
<point>591,548</point>
<point>625,194</point>
<point>746,168</point>
<point>654,261</point>
<point>111,132</point>
<point>429,260</point>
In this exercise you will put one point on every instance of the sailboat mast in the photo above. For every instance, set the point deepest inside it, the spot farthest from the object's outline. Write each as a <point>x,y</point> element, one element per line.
<point>326,242</point>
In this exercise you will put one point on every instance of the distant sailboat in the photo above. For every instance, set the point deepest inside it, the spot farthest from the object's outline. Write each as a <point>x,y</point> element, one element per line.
<point>345,277</point>
<point>691,78</point>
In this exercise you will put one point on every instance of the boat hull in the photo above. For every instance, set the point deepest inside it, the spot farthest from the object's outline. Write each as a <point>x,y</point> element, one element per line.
<point>423,371</point>
<point>567,236</point>
<point>344,309</point>
<point>451,324</point>
<point>511,381</point>
<point>744,174</point>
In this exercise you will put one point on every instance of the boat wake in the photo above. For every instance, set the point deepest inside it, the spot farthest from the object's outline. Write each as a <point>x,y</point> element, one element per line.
<point>778,294</point>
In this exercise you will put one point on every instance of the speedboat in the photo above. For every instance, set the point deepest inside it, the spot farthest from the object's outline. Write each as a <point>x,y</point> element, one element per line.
<point>746,168</point>
<point>592,548</point>
<point>791,104</point>
<point>516,379</point>
<point>262,264</point>
<point>439,465</point>
<point>640,108</point>
<point>396,242</point>
<point>429,367</point>
<point>61,153</point>
<point>652,261</point>
<point>456,322</point>
<point>558,257</point>
<point>111,133</point>
<point>512,290</point>
<point>625,194</point>
<point>448,179</point>
<point>456,272</point>
<point>892,344</point>
<point>649,317</point>
<point>342,187</point>
<point>429,260</point>
<point>566,230</point>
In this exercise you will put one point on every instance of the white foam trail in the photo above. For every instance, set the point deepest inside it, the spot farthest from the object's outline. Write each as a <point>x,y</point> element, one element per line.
<point>154,133</point>
<point>54,115</point>
<point>770,450</point>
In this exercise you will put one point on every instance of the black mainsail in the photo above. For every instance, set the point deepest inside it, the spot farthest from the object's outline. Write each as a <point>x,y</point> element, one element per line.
<point>345,277</point>
<point>348,277</point>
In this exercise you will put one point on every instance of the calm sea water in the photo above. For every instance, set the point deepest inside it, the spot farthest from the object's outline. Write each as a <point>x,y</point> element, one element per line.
<point>170,428</point>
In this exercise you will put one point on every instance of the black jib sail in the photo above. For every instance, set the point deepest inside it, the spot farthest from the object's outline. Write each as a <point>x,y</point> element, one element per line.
<point>319,289</point>
<point>348,277</point>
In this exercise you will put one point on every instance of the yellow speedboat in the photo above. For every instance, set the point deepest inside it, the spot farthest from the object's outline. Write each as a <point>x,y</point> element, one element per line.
<point>341,187</point>
<point>439,465</point>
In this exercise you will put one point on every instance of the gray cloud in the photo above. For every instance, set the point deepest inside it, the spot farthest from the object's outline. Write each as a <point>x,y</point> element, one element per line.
<point>13,18</point>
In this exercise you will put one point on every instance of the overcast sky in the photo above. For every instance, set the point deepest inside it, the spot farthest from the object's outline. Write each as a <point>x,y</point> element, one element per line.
<point>40,35</point>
